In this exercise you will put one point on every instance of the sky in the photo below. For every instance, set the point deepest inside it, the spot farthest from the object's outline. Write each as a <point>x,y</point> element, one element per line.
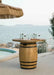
<point>36,12</point>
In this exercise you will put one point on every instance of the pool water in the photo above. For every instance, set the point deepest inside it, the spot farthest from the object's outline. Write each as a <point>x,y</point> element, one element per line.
<point>6,52</point>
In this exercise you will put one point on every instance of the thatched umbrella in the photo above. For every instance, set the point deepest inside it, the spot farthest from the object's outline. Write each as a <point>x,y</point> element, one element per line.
<point>7,11</point>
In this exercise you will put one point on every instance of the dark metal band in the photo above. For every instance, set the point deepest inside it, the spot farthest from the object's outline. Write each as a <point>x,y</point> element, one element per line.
<point>28,62</point>
<point>28,68</point>
<point>27,43</point>
<point>28,65</point>
<point>27,46</point>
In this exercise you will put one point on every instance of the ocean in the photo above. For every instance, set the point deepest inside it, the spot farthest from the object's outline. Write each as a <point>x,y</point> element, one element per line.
<point>7,33</point>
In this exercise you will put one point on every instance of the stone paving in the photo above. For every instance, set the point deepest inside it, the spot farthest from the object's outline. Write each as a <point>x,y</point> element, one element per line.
<point>45,66</point>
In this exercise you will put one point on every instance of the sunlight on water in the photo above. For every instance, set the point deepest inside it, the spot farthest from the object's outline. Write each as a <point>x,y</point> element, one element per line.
<point>4,54</point>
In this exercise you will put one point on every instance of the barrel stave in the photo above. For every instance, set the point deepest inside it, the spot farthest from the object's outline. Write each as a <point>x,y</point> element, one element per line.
<point>28,55</point>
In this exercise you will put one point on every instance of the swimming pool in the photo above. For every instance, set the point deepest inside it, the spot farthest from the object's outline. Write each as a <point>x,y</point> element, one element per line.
<point>6,54</point>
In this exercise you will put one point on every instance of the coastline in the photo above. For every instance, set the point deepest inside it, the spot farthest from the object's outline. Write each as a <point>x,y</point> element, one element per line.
<point>16,47</point>
<point>4,45</point>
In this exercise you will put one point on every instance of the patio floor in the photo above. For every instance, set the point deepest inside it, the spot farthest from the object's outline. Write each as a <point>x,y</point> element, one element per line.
<point>45,66</point>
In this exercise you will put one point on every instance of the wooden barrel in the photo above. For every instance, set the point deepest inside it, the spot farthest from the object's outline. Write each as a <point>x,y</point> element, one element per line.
<point>28,55</point>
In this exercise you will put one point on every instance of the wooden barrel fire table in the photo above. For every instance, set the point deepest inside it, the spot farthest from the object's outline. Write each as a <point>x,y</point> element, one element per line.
<point>27,53</point>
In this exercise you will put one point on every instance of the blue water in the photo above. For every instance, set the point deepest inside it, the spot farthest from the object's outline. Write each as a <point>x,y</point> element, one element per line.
<point>4,54</point>
<point>7,33</point>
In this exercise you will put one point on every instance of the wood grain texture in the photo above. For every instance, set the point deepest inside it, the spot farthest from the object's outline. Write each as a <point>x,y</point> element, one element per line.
<point>28,41</point>
<point>28,56</point>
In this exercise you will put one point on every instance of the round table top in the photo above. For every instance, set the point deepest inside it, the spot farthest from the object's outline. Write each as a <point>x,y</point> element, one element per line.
<point>28,41</point>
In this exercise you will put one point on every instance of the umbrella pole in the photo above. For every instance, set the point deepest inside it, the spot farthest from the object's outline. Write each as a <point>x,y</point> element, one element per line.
<point>0,1</point>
